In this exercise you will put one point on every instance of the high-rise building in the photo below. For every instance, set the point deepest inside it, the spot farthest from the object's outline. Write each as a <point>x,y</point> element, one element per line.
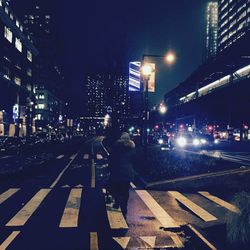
<point>234,21</point>
<point>96,96</point>
<point>211,29</point>
<point>49,75</point>
<point>108,94</point>
<point>17,74</point>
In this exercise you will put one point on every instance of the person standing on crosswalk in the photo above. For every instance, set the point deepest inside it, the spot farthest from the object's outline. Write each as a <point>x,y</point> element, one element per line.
<point>121,170</point>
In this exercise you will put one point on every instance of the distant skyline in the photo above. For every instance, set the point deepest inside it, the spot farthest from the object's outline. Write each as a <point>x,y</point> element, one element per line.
<point>104,36</point>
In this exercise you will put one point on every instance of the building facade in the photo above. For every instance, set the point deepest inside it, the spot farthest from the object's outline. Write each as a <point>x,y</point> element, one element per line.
<point>234,22</point>
<point>17,74</point>
<point>49,74</point>
<point>108,94</point>
<point>211,29</point>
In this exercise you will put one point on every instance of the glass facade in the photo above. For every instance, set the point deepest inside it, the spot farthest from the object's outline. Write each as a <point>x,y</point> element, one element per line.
<point>234,20</point>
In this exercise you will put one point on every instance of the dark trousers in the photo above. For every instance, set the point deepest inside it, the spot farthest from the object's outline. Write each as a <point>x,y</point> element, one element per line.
<point>120,191</point>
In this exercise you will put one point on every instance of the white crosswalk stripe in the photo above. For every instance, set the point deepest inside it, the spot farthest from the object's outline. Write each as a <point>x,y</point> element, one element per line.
<point>86,156</point>
<point>162,216</point>
<point>6,195</point>
<point>9,240</point>
<point>220,202</point>
<point>25,213</point>
<point>202,213</point>
<point>99,157</point>
<point>71,211</point>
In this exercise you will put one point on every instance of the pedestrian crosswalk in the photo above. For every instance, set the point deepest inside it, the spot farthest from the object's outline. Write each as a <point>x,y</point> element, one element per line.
<point>74,198</point>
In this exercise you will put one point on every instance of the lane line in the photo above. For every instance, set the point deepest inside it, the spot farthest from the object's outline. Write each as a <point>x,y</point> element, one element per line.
<point>93,241</point>
<point>162,216</point>
<point>132,185</point>
<point>86,156</point>
<point>6,195</point>
<point>209,244</point>
<point>220,202</point>
<point>99,157</point>
<point>26,212</point>
<point>59,157</point>
<point>92,173</point>
<point>9,240</point>
<point>200,212</point>
<point>71,211</point>
<point>63,171</point>
<point>105,148</point>
<point>116,218</point>
<point>6,157</point>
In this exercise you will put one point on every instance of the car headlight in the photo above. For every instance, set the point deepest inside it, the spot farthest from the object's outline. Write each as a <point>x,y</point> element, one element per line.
<point>216,141</point>
<point>196,142</point>
<point>203,141</point>
<point>182,142</point>
<point>160,141</point>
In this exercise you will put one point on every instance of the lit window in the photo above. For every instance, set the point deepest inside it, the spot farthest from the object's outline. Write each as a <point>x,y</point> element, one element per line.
<point>41,106</point>
<point>29,55</point>
<point>18,44</point>
<point>17,80</point>
<point>8,34</point>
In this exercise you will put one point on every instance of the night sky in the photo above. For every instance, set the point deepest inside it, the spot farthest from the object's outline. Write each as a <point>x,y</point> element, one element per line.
<point>103,36</point>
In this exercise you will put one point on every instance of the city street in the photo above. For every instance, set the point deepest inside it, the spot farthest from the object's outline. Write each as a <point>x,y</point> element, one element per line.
<point>64,208</point>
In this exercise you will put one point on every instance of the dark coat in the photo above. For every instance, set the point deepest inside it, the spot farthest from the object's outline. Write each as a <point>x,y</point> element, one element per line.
<point>121,161</point>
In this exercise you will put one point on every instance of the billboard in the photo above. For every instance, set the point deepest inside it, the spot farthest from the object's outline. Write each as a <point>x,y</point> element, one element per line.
<point>151,81</point>
<point>134,76</point>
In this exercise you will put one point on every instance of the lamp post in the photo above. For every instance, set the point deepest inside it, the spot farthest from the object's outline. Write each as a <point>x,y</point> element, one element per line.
<point>147,71</point>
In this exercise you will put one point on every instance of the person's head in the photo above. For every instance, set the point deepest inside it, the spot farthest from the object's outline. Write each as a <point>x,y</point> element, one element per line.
<point>125,136</point>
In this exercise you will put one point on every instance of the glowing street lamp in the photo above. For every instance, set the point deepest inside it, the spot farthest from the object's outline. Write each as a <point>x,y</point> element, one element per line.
<point>163,109</point>
<point>170,58</point>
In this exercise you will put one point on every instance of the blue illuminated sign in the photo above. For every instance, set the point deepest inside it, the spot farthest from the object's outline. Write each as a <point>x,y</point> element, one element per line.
<point>134,76</point>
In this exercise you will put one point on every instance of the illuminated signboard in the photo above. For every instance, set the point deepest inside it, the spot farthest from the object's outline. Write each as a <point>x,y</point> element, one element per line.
<point>134,76</point>
<point>15,112</point>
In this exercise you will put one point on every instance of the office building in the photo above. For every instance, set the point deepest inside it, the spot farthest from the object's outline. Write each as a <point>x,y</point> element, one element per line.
<point>234,22</point>
<point>17,74</point>
<point>211,29</point>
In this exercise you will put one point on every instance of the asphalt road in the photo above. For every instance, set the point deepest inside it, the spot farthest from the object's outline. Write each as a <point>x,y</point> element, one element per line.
<point>63,207</point>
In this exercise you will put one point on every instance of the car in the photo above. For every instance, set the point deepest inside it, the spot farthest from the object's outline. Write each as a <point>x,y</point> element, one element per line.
<point>11,145</point>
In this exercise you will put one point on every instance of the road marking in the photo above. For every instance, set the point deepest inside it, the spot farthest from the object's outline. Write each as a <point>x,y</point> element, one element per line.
<point>116,218</point>
<point>105,148</point>
<point>209,244</point>
<point>9,240</point>
<point>162,216</point>
<point>6,157</point>
<point>132,185</point>
<point>122,241</point>
<point>200,212</point>
<point>6,195</point>
<point>71,211</point>
<point>59,157</point>
<point>177,241</point>
<point>79,186</point>
<point>63,171</point>
<point>220,202</point>
<point>99,157</point>
<point>25,213</point>
<point>93,241</point>
<point>93,174</point>
<point>65,186</point>
<point>86,156</point>
<point>149,240</point>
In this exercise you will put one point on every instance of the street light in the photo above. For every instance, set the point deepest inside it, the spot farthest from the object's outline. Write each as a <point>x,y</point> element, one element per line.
<point>163,109</point>
<point>170,57</point>
<point>147,71</point>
